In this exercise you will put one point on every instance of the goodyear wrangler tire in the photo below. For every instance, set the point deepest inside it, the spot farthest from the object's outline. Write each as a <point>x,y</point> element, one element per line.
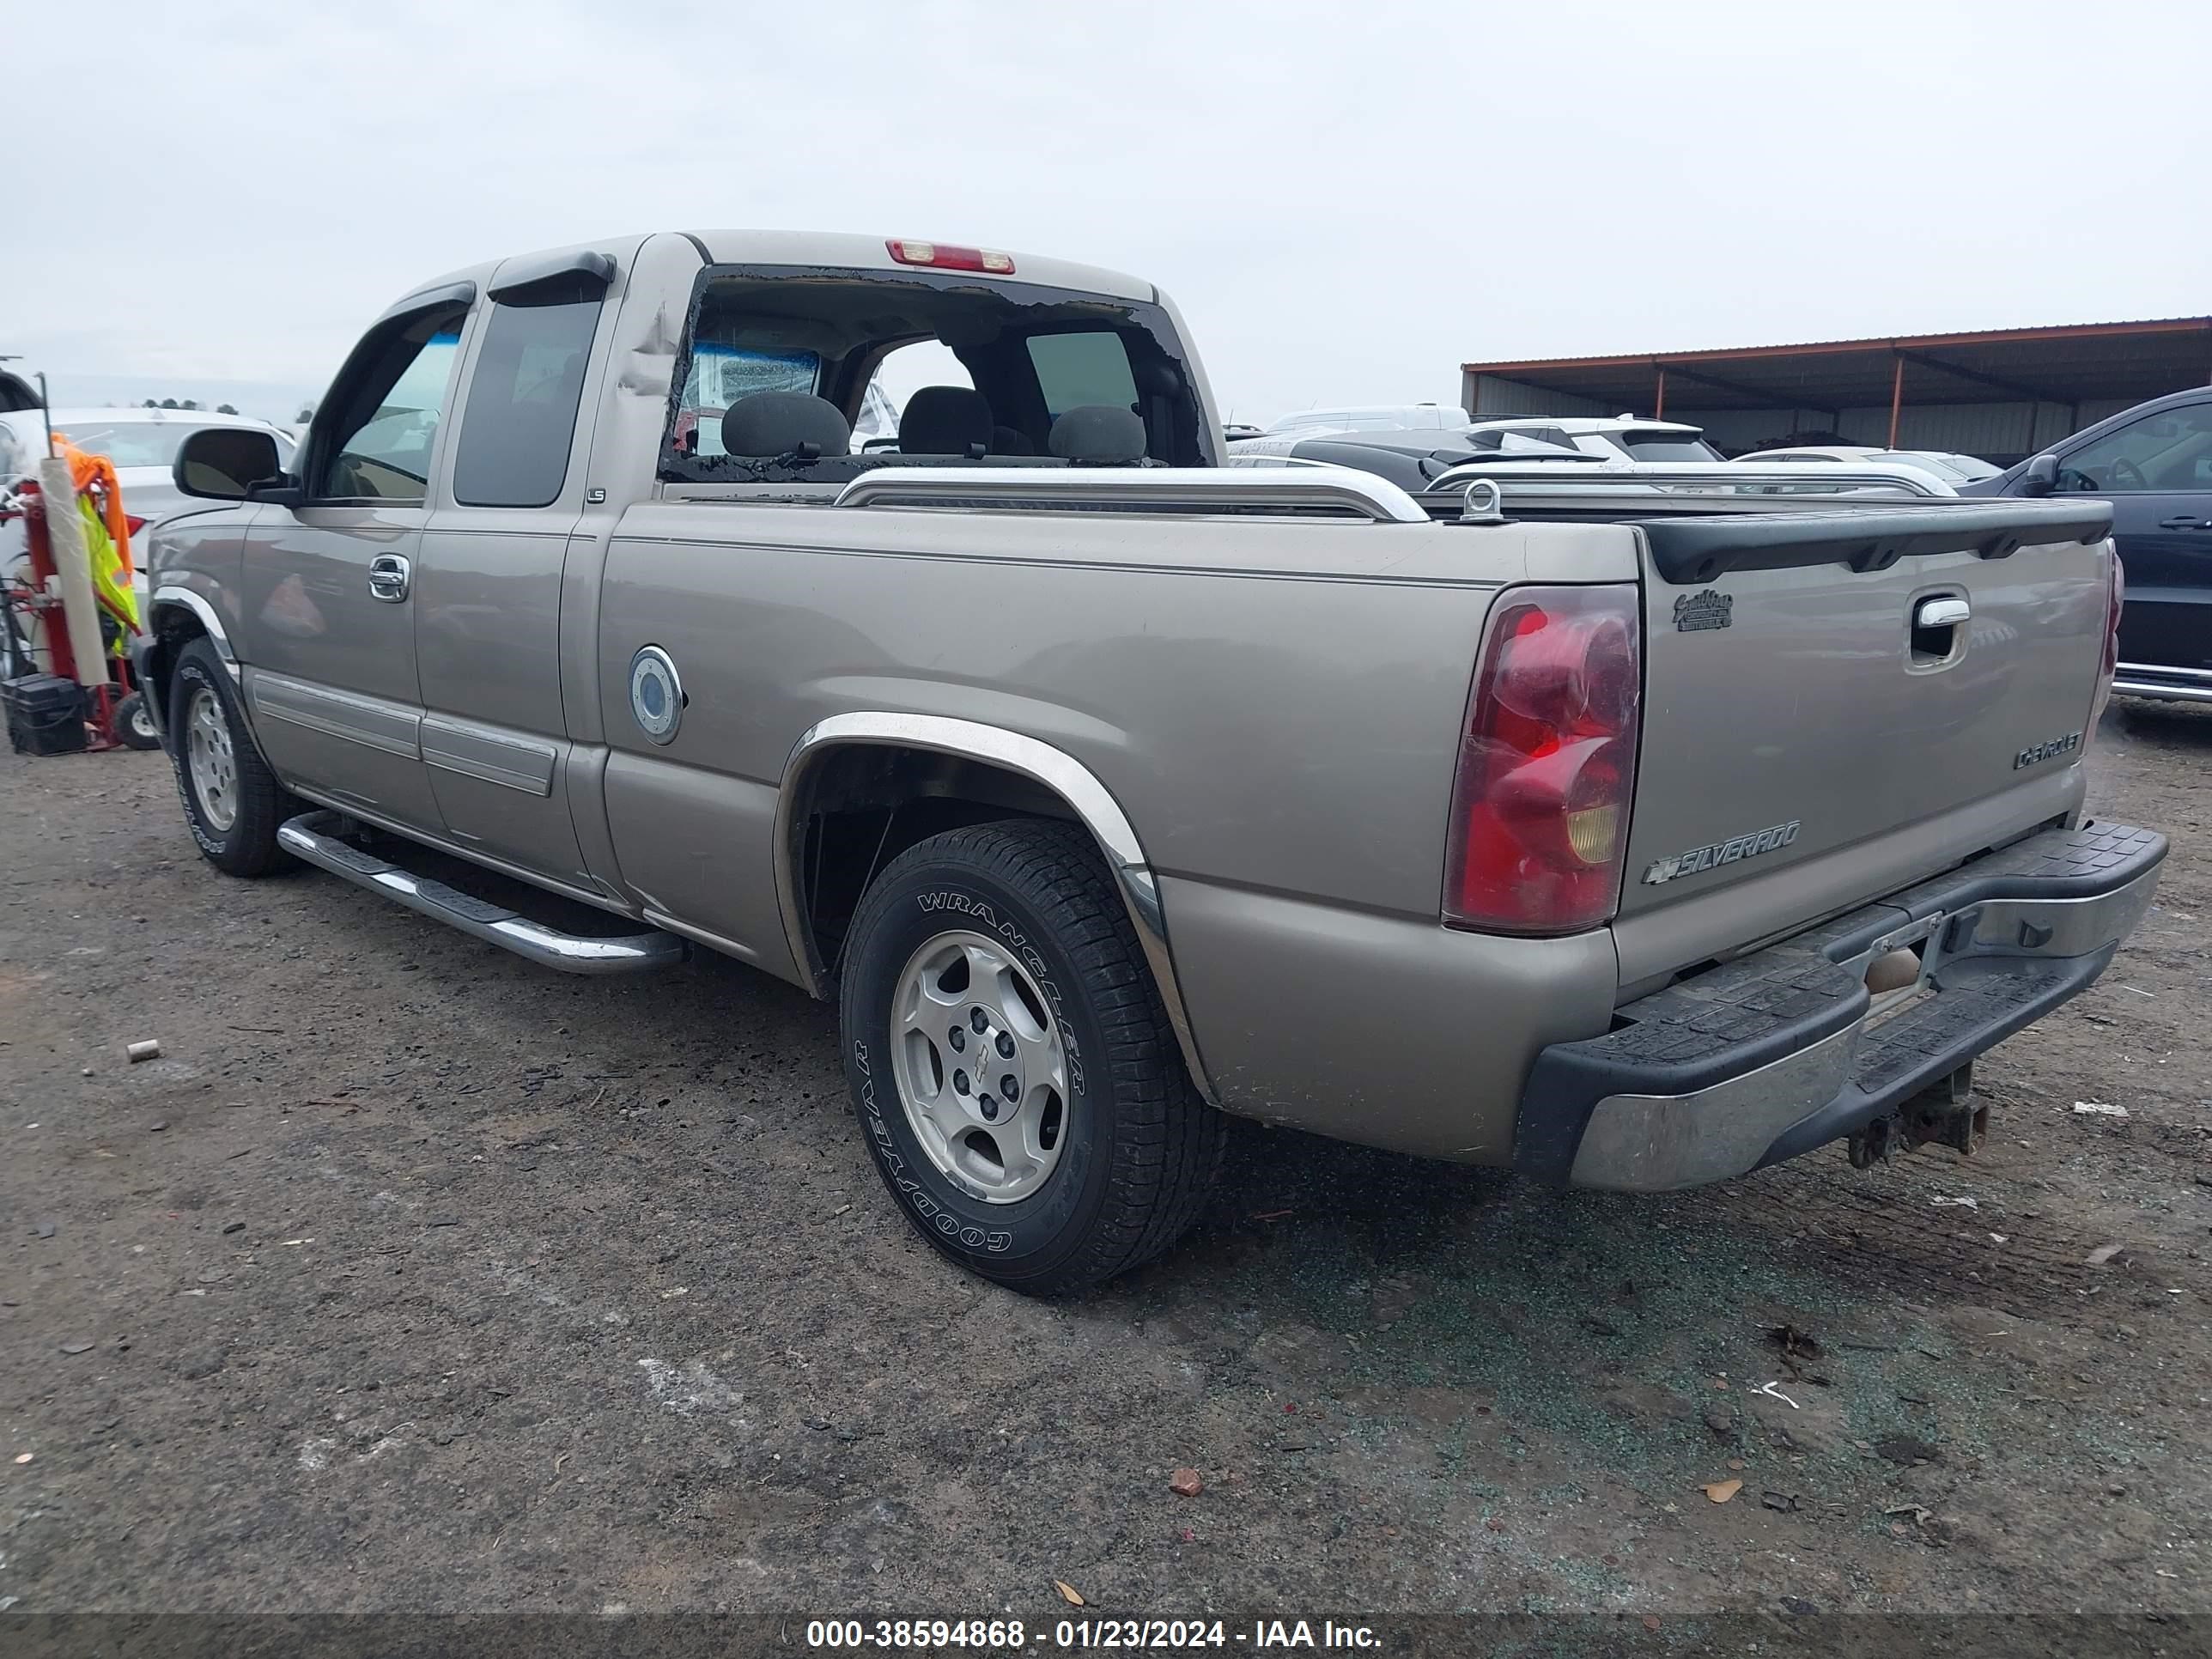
<point>233,805</point>
<point>1015,1074</point>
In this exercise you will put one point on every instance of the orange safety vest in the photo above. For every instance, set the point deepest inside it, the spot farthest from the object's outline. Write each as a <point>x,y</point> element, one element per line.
<point>106,531</point>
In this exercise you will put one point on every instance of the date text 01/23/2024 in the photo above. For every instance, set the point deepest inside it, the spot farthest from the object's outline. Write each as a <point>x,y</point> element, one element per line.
<point>984,1637</point>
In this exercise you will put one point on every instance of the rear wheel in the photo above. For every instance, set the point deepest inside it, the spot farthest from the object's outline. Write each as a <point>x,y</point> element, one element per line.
<point>1012,1066</point>
<point>233,803</point>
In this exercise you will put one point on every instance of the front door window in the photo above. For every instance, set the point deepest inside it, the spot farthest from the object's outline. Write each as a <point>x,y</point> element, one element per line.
<point>380,445</point>
<point>2162,453</point>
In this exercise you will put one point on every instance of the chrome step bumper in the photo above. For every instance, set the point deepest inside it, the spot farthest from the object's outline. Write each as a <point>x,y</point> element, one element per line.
<point>1780,1051</point>
<point>313,836</point>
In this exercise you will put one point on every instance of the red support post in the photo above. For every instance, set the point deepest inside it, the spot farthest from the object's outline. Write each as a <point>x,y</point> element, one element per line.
<point>1659,402</point>
<point>1896,395</point>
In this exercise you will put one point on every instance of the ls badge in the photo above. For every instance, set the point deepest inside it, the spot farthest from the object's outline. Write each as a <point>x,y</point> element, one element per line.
<point>656,695</point>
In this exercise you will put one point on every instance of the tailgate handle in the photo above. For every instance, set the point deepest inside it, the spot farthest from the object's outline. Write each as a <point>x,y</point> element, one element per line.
<point>1941,613</point>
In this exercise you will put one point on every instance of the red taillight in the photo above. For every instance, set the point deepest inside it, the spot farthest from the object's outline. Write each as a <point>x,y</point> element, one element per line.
<point>2115,594</point>
<point>943,256</point>
<point>132,524</point>
<point>1539,811</point>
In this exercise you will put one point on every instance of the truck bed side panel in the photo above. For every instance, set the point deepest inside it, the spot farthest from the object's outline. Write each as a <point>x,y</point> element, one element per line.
<point>1274,704</point>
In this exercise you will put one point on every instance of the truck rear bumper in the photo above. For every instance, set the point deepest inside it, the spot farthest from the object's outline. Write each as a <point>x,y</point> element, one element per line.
<point>1784,1049</point>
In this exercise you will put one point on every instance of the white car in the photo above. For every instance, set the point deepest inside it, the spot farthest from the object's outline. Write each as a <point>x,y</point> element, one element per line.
<point>1612,437</point>
<point>1953,469</point>
<point>141,442</point>
<point>1371,417</point>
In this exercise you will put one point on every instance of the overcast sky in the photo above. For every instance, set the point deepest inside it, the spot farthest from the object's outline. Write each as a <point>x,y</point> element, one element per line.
<point>1347,201</point>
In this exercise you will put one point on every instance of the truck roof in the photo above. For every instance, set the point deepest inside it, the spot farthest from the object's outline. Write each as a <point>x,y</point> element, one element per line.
<point>843,249</point>
<point>784,247</point>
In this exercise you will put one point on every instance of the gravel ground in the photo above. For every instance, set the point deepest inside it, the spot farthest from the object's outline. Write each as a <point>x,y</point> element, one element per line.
<point>412,1277</point>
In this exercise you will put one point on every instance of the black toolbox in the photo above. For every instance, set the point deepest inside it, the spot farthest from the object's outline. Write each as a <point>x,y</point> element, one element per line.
<point>45,714</point>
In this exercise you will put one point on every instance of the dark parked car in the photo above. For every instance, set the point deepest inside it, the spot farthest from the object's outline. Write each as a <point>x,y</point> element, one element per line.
<point>2154,463</point>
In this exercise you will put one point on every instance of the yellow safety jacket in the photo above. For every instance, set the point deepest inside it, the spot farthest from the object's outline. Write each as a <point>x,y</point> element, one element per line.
<point>106,535</point>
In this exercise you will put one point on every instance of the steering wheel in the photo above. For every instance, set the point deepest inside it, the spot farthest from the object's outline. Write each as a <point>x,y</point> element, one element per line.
<point>2124,474</point>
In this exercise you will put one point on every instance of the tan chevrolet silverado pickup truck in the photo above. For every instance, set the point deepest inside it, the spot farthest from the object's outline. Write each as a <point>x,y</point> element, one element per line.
<point>1633,842</point>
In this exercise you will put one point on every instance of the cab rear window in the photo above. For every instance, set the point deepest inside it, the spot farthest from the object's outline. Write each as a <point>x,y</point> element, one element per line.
<point>1005,360</point>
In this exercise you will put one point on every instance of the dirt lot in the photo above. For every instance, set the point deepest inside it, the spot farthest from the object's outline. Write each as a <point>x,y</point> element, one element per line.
<point>412,1277</point>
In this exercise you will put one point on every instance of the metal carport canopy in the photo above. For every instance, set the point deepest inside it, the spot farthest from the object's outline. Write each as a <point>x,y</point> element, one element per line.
<point>2069,365</point>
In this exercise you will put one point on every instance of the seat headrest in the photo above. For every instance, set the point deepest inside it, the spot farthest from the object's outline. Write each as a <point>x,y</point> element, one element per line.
<point>1098,434</point>
<point>784,423</point>
<point>945,420</point>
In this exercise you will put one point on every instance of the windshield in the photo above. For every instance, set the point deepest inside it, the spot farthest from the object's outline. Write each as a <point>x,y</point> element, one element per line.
<point>146,443</point>
<point>1958,469</point>
<point>1667,446</point>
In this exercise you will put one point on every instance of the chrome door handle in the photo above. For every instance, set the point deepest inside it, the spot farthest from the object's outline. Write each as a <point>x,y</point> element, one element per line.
<point>2183,523</point>
<point>1941,613</point>
<point>389,576</point>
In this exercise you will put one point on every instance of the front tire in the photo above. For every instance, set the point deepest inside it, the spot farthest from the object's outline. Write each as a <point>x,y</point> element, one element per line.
<point>233,805</point>
<point>1014,1073</point>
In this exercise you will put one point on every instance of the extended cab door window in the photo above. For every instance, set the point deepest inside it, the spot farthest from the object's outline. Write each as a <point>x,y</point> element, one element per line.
<point>378,447</point>
<point>519,422</point>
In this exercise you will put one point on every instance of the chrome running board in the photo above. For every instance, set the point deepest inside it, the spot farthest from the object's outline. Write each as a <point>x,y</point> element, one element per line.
<point>2137,679</point>
<point>313,836</point>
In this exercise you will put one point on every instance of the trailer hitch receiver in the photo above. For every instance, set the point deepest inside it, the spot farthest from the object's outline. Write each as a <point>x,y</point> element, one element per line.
<point>1943,1113</point>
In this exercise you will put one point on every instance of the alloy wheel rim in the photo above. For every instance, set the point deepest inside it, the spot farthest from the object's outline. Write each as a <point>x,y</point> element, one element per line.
<point>981,1067</point>
<point>211,759</point>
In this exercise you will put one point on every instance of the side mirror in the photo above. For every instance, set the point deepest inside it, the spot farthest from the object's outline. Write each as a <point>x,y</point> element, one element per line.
<point>2041,477</point>
<point>223,463</point>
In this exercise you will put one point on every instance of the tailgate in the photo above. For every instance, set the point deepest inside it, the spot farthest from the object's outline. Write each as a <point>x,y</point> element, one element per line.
<point>1805,693</point>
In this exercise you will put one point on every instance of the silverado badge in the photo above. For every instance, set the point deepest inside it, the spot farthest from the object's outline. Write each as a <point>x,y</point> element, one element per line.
<point>1718,853</point>
<point>1696,612</point>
